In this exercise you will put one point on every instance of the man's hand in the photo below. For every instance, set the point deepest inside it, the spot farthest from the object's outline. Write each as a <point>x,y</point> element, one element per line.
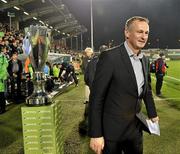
<point>155,119</point>
<point>97,144</point>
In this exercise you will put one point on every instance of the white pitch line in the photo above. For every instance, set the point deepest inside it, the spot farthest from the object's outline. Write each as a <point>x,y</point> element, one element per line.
<point>168,77</point>
<point>161,99</point>
<point>172,78</point>
<point>155,79</point>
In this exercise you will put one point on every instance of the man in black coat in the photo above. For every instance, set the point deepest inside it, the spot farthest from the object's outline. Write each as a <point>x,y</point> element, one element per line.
<point>87,58</point>
<point>88,78</point>
<point>88,54</point>
<point>122,80</point>
<point>91,67</point>
<point>15,69</point>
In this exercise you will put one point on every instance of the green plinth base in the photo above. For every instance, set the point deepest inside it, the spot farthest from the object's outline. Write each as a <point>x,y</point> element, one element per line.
<point>42,131</point>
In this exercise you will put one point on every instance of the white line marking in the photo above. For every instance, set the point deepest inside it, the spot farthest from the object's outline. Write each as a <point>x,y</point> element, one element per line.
<point>166,99</point>
<point>167,77</point>
<point>172,78</point>
<point>155,79</point>
<point>155,98</point>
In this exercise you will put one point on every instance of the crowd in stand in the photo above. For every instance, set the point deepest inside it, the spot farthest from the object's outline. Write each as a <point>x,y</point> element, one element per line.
<point>10,66</point>
<point>12,40</point>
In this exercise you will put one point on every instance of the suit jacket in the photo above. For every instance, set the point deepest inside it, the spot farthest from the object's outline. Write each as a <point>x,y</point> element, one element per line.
<point>10,66</point>
<point>85,62</point>
<point>90,71</point>
<point>114,99</point>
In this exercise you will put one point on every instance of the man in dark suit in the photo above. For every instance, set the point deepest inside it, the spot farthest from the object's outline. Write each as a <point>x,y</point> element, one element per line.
<point>122,81</point>
<point>15,70</point>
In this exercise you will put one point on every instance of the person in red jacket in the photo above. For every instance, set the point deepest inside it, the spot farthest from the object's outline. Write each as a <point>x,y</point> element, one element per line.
<point>160,72</point>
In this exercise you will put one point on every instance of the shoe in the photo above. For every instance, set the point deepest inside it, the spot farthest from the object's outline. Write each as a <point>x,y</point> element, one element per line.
<point>86,102</point>
<point>3,111</point>
<point>159,95</point>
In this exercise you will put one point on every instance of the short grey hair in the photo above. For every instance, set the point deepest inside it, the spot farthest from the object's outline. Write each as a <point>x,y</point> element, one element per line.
<point>88,50</point>
<point>135,18</point>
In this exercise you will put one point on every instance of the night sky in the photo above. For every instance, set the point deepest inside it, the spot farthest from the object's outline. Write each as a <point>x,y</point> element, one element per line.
<point>110,16</point>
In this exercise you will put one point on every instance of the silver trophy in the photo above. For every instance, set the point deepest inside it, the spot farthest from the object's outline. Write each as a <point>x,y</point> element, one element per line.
<point>38,38</point>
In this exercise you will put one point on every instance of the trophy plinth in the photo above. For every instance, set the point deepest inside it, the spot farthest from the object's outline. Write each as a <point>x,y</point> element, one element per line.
<point>38,38</point>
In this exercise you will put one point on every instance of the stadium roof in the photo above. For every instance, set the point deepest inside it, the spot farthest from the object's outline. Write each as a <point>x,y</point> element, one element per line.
<point>52,13</point>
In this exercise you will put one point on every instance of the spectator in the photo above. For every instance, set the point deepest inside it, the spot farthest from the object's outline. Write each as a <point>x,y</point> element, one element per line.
<point>88,78</point>
<point>46,69</point>
<point>3,77</point>
<point>55,71</point>
<point>14,47</point>
<point>88,56</point>
<point>70,73</point>
<point>50,68</point>
<point>91,67</point>
<point>160,72</point>
<point>15,69</point>
<point>62,72</point>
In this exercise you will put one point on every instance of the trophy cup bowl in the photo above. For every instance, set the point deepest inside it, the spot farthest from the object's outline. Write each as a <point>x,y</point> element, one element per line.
<point>39,44</point>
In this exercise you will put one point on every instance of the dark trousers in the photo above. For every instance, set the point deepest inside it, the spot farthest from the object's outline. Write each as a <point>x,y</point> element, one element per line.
<point>15,88</point>
<point>159,82</point>
<point>75,78</point>
<point>70,75</point>
<point>49,85</point>
<point>2,102</point>
<point>132,145</point>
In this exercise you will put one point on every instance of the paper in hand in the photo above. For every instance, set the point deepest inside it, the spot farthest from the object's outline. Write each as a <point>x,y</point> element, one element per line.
<point>147,125</point>
<point>153,127</point>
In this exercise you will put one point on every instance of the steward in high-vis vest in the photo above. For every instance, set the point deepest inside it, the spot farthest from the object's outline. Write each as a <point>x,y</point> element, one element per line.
<point>3,77</point>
